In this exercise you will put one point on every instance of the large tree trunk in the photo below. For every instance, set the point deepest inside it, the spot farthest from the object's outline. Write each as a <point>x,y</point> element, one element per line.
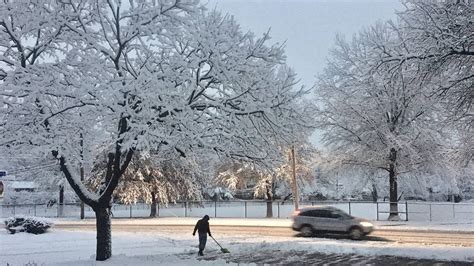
<point>116,165</point>
<point>393,187</point>
<point>104,233</point>
<point>269,209</point>
<point>153,205</point>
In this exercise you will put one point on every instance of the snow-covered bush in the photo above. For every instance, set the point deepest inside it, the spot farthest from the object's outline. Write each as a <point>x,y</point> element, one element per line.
<point>32,225</point>
<point>219,193</point>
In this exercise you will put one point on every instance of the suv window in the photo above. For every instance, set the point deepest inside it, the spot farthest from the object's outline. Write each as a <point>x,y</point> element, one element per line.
<point>311,213</point>
<point>335,215</point>
<point>340,214</point>
<point>325,214</point>
<point>317,213</point>
<point>306,213</point>
<point>320,213</point>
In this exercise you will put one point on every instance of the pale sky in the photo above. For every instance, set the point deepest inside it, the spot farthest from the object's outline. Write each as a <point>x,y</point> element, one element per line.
<point>308,26</point>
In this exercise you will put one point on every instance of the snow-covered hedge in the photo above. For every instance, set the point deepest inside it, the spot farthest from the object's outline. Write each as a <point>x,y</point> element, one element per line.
<point>34,225</point>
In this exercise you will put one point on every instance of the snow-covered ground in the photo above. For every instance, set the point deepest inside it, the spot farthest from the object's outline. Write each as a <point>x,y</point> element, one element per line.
<point>139,248</point>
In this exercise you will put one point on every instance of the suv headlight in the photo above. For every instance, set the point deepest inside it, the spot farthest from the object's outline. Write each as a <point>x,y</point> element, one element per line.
<point>366,224</point>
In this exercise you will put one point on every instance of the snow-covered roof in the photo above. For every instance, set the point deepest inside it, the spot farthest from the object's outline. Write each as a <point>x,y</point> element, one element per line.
<point>23,185</point>
<point>7,178</point>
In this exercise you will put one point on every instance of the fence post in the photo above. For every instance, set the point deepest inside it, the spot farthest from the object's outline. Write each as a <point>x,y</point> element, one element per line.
<point>158,209</point>
<point>245,209</point>
<point>454,212</point>
<point>215,209</point>
<point>35,209</point>
<point>14,209</point>
<point>130,210</point>
<point>185,209</point>
<point>406,211</point>
<point>278,205</point>
<point>349,207</point>
<point>377,210</point>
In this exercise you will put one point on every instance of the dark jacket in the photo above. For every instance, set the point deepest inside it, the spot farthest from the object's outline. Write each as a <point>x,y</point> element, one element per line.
<point>202,226</point>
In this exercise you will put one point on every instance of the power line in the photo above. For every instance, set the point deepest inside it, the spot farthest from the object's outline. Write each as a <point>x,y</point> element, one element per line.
<point>33,168</point>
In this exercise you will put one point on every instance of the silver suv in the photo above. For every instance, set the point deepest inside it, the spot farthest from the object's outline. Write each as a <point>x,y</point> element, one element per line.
<point>326,219</point>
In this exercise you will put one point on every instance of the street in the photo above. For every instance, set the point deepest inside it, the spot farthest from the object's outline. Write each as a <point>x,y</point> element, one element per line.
<point>460,239</point>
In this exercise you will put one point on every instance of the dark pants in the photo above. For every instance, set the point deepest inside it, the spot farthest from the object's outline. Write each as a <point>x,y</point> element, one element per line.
<point>202,241</point>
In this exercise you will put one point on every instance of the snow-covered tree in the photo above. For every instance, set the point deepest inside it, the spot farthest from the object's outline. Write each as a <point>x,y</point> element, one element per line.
<point>440,36</point>
<point>167,76</point>
<point>235,175</point>
<point>377,118</point>
<point>272,180</point>
<point>151,180</point>
<point>428,55</point>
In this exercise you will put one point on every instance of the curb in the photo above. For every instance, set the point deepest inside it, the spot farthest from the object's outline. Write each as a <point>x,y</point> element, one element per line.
<point>377,228</point>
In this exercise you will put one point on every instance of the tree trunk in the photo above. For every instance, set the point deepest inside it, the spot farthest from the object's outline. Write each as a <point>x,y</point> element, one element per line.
<point>375,195</point>
<point>153,205</point>
<point>104,233</point>
<point>269,209</point>
<point>82,210</point>
<point>61,201</point>
<point>393,187</point>
<point>102,206</point>
<point>269,203</point>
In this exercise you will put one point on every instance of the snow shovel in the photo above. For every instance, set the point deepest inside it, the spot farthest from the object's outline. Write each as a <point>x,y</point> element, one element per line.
<point>224,250</point>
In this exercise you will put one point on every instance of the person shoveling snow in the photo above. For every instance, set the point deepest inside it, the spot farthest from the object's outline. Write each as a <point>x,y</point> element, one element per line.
<point>202,226</point>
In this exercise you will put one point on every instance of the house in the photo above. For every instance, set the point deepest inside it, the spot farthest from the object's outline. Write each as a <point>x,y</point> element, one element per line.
<point>19,186</point>
<point>16,191</point>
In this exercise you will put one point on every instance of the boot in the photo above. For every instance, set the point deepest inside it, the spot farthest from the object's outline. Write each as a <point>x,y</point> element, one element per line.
<point>200,252</point>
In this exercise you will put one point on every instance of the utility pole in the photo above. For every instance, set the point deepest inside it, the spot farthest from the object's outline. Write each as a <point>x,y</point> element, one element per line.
<point>295,185</point>
<point>82,171</point>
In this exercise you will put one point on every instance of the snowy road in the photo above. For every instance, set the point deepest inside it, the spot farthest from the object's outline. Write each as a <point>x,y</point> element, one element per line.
<point>461,239</point>
<point>174,245</point>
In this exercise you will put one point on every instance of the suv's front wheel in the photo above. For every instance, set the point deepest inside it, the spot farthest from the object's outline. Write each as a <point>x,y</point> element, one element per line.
<point>306,230</point>
<point>356,233</point>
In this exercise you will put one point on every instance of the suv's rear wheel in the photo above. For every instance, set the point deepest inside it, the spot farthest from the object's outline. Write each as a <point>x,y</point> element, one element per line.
<point>356,233</point>
<point>306,230</point>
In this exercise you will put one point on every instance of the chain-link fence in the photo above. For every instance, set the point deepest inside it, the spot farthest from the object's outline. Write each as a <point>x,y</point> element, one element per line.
<point>413,211</point>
